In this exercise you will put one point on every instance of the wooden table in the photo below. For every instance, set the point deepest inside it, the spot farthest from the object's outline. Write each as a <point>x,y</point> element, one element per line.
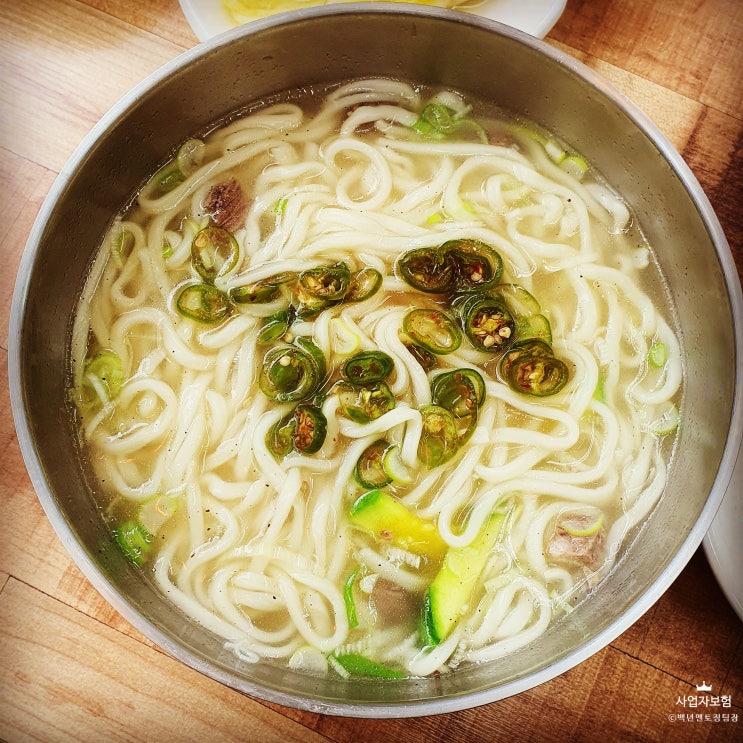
<point>72,669</point>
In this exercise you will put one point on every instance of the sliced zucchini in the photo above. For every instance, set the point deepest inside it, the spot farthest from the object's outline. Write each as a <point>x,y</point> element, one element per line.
<point>450,594</point>
<point>382,515</point>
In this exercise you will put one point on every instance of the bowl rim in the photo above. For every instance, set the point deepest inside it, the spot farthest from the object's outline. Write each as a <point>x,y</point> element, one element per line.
<point>385,709</point>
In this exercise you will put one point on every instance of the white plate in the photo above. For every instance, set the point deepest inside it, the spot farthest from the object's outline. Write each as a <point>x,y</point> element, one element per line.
<point>536,17</point>
<point>724,541</point>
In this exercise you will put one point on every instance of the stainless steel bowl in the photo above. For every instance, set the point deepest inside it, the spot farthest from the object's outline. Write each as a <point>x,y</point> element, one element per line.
<point>432,46</point>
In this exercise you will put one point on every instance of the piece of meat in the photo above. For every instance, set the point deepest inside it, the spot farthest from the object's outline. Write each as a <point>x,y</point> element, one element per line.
<point>390,603</point>
<point>572,548</point>
<point>226,204</point>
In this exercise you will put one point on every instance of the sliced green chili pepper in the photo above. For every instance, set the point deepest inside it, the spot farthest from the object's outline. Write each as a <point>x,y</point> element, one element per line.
<point>312,350</point>
<point>363,284</point>
<point>214,252</point>
<point>312,427</point>
<point>530,347</point>
<point>279,439</point>
<point>476,265</point>
<point>289,373</point>
<point>440,438</point>
<point>537,375</point>
<point>328,283</point>
<point>486,322</point>
<point>368,367</point>
<point>533,327</point>
<point>461,392</point>
<point>358,665</point>
<point>427,270</point>
<point>348,599</point>
<point>529,322</point>
<point>263,291</point>
<point>274,328</point>
<point>305,306</point>
<point>364,404</point>
<point>518,300</point>
<point>369,471</point>
<point>258,293</point>
<point>432,329</point>
<point>443,381</point>
<point>203,303</point>
<point>463,265</point>
<point>303,430</point>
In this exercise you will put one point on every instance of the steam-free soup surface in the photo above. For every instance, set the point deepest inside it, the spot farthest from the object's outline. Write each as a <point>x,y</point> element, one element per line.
<point>376,380</point>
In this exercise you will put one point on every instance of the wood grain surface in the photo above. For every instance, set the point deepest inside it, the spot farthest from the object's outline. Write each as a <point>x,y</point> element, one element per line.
<point>71,669</point>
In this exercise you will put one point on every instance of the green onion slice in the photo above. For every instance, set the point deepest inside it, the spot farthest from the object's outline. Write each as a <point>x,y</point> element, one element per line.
<point>134,540</point>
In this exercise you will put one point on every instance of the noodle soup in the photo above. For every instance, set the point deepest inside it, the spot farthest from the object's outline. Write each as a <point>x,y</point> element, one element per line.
<point>376,382</point>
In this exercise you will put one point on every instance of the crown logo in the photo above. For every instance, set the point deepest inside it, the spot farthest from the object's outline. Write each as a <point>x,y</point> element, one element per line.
<point>704,687</point>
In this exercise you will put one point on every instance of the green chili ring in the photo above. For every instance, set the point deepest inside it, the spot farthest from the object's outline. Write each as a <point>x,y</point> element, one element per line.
<point>439,440</point>
<point>486,322</point>
<point>363,284</point>
<point>537,375</point>
<point>303,430</point>
<point>311,428</point>
<point>274,328</point>
<point>433,330</point>
<point>367,367</point>
<point>476,265</point>
<point>427,270</point>
<point>327,283</point>
<point>369,471</point>
<point>214,252</point>
<point>364,404</point>
<point>203,303</point>
<point>529,347</point>
<point>443,384</point>
<point>289,374</point>
<point>461,392</point>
